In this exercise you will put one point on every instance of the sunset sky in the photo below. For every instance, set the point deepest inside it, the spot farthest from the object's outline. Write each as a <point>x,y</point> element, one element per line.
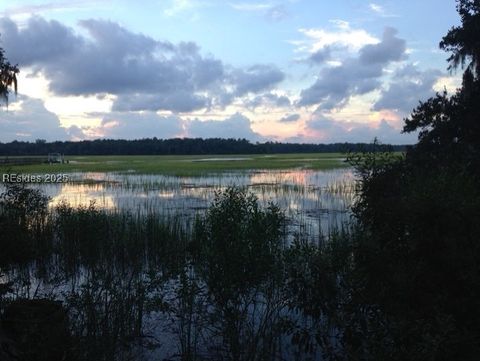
<point>283,70</point>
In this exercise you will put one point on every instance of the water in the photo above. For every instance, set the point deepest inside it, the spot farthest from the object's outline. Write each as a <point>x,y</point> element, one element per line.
<point>314,201</point>
<point>161,310</point>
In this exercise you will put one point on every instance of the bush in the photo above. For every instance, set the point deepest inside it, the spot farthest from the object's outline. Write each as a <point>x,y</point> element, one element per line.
<point>23,221</point>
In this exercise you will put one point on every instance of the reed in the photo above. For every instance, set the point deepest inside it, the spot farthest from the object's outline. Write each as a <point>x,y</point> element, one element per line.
<point>147,281</point>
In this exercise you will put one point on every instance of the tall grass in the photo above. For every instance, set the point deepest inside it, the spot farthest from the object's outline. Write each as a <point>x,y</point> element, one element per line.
<point>230,284</point>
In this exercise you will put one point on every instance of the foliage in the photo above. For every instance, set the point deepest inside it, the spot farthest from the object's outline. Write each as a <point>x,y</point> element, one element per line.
<point>176,146</point>
<point>223,295</point>
<point>8,77</point>
<point>368,161</point>
<point>416,252</point>
<point>449,130</point>
<point>89,235</point>
<point>403,285</point>
<point>239,241</point>
<point>237,248</point>
<point>317,288</point>
<point>23,213</point>
<point>27,203</point>
<point>416,248</point>
<point>449,126</point>
<point>462,41</point>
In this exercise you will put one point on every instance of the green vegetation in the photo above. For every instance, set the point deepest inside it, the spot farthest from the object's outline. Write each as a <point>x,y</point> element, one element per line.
<point>186,165</point>
<point>217,289</point>
<point>8,77</point>
<point>401,283</point>
<point>173,146</point>
<point>416,245</point>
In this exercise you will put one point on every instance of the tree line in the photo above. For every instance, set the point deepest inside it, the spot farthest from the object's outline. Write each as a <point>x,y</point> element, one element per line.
<point>177,146</point>
<point>416,277</point>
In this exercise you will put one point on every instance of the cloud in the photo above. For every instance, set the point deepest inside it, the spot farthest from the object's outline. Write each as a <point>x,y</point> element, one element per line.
<point>380,10</point>
<point>251,6</point>
<point>40,43</point>
<point>117,125</point>
<point>144,73</point>
<point>113,61</point>
<point>389,49</point>
<point>27,119</point>
<point>376,8</point>
<point>277,13</point>
<point>326,129</point>
<point>256,78</point>
<point>410,86</point>
<point>290,118</point>
<point>179,6</point>
<point>135,126</point>
<point>355,76</point>
<point>179,102</point>
<point>30,121</point>
<point>321,55</point>
<point>50,6</point>
<point>341,37</point>
<point>76,133</point>
<point>268,100</point>
<point>236,126</point>
<point>335,85</point>
<point>270,11</point>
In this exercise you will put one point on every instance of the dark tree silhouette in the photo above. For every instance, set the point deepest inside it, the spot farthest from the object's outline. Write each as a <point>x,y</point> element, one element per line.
<point>417,249</point>
<point>183,146</point>
<point>8,77</point>
<point>449,125</point>
<point>464,41</point>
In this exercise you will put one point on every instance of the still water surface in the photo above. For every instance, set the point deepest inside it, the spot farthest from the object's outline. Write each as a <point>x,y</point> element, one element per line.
<point>312,200</point>
<point>109,302</point>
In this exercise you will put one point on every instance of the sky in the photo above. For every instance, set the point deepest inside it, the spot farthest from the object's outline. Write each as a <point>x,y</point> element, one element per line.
<point>308,71</point>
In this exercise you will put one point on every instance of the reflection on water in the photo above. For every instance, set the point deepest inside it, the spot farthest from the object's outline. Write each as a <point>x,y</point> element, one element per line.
<point>137,290</point>
<point>314,201</point>
<point>76,194</point>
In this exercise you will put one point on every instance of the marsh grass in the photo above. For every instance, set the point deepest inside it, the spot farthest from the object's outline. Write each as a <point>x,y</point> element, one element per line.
<point>187,165</point>
<point>148,282</point>
<point>308,197</point>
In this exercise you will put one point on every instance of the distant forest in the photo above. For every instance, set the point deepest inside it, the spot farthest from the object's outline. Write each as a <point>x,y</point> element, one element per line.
<point>177,146</point>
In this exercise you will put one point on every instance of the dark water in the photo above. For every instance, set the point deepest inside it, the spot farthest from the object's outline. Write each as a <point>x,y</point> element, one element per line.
<point>314,201</point>
<point>143,301</point>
